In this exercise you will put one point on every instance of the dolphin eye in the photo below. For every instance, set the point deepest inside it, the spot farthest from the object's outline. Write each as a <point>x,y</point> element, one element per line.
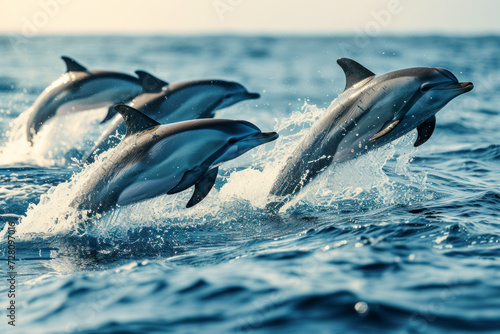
<point>426,87</point>
<point>232,141</point>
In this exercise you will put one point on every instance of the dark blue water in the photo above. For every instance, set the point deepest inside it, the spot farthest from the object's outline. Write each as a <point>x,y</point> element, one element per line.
<point>402,240</point>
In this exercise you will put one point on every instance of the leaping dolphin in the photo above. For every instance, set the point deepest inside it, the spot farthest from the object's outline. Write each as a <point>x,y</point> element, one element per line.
<point>155,159</point>
<point>371,112</point>
<point>174,103</point>
<point>81,89</point>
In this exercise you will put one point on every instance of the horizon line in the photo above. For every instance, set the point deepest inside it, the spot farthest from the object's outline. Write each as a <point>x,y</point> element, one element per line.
<point>257,33</point>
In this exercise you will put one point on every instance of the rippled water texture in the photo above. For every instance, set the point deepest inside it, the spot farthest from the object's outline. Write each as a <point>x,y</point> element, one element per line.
<point>400,240</point>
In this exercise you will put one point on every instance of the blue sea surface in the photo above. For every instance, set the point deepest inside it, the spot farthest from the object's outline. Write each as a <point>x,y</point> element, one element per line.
<point>401,240</point>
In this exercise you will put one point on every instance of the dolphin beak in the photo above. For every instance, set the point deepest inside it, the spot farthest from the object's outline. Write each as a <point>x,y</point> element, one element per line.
<point>466,86</point>
<point>251,96</point>
<point>260,138</point>
<point>460,87</point>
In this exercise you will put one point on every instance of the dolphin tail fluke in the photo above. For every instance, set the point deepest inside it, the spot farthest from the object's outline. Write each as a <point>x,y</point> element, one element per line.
<point>72,65</point>
<point>425,131</point>
<point>150,83</point>
<point>203,187</point>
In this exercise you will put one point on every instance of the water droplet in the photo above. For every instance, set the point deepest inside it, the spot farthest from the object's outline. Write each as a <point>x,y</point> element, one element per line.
<point>361,308</point>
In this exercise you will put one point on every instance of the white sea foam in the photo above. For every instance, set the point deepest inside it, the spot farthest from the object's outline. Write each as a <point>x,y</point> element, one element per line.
<point>54,143</point>
<point>243,195</point>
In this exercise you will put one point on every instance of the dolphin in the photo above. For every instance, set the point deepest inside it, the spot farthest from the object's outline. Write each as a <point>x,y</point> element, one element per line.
<point>155,159</point>
<point>371,112</point>
<point>80,89</point>
<point>173,103</point>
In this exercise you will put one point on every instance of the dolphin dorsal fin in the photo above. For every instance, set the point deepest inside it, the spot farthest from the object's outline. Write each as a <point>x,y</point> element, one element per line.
<point>109,115</point>
<point>354,72</point>
<point>72,65</point>
<point>136,121</point>
<point>150,83</point>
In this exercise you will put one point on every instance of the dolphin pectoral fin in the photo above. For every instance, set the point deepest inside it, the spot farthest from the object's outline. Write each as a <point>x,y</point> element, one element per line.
<point>72,65</point>
<point>354,72</point>
<point>188,179</point>
<point>150,83</point>
<point>385,130</point>
<point>425,131</point>
<point>203,187</point>
<point>135,120</point>
<point>111,113</point>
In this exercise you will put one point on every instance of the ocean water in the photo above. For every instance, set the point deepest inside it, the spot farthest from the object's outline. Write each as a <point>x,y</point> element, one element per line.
<point>401,240</point>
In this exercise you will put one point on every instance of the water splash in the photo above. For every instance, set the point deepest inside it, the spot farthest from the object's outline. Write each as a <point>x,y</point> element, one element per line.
<point>59,141</point>
<point>239,198</point>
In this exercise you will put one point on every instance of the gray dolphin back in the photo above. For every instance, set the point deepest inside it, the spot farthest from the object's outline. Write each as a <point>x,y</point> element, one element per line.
<point>80,89</point>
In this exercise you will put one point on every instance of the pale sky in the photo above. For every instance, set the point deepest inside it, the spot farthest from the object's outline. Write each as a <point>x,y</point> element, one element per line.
<point>457,17</point>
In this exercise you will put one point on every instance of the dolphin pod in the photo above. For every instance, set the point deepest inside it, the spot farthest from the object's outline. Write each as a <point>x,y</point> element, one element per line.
<point>81,89</point>
<point>174,103</point>
<point>371,112</point>
<point>155,159</point>
<point>171,142</point>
